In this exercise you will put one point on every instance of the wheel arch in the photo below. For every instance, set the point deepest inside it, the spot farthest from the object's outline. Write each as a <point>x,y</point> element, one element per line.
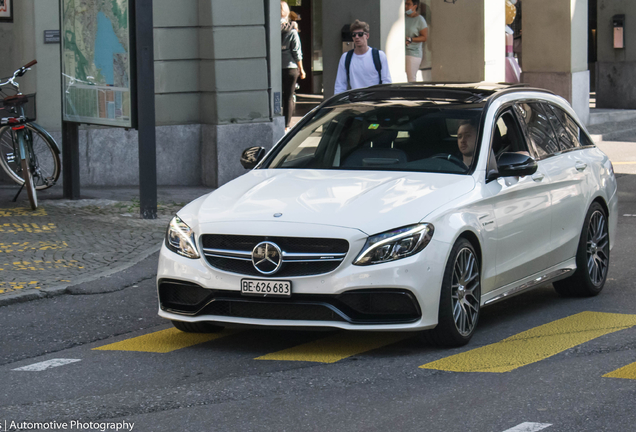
<point>599,199</point>
<point>474,240</point>
<point>467,233</point>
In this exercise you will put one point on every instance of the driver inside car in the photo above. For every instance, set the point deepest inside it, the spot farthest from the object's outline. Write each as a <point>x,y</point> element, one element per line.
<point>466,139</point>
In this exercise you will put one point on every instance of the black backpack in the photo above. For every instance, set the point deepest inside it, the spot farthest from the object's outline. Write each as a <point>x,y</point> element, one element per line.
<point>376,61</point>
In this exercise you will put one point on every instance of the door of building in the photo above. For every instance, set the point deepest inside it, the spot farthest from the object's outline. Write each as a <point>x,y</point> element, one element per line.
<point>303,11</point>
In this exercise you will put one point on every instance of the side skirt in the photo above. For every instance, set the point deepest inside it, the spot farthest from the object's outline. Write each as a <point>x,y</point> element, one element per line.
<point>553,274</point>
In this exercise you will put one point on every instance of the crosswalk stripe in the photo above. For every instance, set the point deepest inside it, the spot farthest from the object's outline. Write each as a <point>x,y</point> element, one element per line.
<point>164,341</point>
<point>535,344</point>
<point>37,367</point>
<point>337,347</point>
<point>626,372</point>
<point>529,427</point>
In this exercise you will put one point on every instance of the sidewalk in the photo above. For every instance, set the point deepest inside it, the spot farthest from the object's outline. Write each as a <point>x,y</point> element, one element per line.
<point>65,243</point>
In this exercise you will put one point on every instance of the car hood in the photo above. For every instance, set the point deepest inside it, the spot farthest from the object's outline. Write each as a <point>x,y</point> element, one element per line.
<point>371,201</point>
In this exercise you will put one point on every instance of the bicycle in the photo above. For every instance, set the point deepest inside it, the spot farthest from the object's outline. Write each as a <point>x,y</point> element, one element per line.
<point>28,153</point>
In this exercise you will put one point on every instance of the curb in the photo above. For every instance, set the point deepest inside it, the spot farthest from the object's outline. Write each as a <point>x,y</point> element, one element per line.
<point>56,290</point>
<point>618,135</point>
<point>610,115</point>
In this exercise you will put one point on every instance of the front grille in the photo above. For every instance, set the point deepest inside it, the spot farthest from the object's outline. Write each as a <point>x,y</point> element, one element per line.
<point>288,244</point>
<point>302,256</point>
<point>287,269</point>
<point>369,306</point>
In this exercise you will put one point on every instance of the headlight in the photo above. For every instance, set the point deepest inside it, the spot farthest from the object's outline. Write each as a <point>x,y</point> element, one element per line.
<point>180,239</point>
<point>395,244</point>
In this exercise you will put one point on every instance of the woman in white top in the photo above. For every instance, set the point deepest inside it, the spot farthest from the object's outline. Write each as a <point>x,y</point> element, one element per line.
<point>416,34</point>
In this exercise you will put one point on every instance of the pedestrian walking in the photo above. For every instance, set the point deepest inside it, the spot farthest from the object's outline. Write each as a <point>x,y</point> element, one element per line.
<point>363,66</point>
<point>292,57</point>
<point>416,34</point>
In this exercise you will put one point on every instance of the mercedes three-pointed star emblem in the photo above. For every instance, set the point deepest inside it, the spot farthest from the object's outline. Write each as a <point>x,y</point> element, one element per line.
<point>267,258</point>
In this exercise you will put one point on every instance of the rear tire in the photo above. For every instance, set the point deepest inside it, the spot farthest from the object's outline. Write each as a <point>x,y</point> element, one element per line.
<point>197,327</point>
<point>460,298</point>
<point>28,183</point>
<point>592,257</point>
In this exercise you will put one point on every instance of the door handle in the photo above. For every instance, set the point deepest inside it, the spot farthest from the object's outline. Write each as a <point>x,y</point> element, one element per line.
<point>537,177</point>
<point>580,166</point>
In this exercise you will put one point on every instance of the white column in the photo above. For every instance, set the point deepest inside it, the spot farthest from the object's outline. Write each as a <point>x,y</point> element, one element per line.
<point>392,36</point>
<point>555,50</point>
<point>468,41</point>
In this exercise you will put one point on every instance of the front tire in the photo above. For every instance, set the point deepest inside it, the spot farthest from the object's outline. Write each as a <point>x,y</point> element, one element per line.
<point>460,298</point>
<point>197,327</point>
<point>592,257</point>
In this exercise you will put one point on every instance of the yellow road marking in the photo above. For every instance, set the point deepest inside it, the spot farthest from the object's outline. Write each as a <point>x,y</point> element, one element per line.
<point>15,228</point>
<point>626,372</point>
<point>39,265</point>
<point>535,344</point>
<point>22,211</point>
<point>164,341</point>
<point>337,347</point>
<point>25,246</point>
<point>12,286</point>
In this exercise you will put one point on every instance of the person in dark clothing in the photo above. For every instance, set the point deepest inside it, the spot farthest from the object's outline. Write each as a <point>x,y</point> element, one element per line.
<point>292,57</point>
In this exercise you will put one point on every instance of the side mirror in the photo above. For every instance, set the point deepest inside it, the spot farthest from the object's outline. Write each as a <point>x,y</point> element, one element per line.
<point>514,165</point>
<point>252,156</point>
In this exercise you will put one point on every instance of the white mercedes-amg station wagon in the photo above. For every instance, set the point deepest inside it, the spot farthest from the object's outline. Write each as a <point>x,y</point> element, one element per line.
<point>398,207</point>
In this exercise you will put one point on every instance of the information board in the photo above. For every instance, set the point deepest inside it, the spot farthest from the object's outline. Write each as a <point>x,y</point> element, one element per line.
<point>96,62</point>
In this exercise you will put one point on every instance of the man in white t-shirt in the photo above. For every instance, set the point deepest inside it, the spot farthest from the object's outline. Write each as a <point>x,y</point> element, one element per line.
<point>363,66</point>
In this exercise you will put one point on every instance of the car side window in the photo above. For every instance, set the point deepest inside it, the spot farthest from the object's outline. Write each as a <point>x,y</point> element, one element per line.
<point>565,139</point>
<point>578,136</point>
<point>506,138</point>
<point>585,140</point>
<point>539,129</point>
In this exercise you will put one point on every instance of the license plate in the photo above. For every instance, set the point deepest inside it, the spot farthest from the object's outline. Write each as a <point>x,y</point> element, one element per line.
<point>270,288</point>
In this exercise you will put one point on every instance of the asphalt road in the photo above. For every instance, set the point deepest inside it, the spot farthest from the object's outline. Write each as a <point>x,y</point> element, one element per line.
<point>564,365</point>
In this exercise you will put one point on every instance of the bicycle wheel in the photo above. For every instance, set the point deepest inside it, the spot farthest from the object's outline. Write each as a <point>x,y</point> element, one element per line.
<point>45,160</point>
<point>28,183</point>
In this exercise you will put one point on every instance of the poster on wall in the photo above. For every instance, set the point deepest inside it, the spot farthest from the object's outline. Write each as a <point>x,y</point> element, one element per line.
<point>96,62</point>
<point>6,11</point>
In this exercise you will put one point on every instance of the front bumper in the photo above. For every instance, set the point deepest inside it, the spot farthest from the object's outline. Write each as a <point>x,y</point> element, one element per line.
<point>398,295</point>
<point>366,306</point>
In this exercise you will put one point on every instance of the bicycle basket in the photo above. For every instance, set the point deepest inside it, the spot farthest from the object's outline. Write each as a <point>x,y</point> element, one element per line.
<point>15,111</point>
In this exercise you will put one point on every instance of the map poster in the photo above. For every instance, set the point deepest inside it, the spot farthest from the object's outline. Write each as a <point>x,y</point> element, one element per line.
<point>96,62</point>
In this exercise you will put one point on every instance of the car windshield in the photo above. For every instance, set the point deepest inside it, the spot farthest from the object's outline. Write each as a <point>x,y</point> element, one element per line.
<point>385,135</point>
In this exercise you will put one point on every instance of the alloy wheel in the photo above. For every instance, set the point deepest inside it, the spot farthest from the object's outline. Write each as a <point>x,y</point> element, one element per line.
<point>597,248</point>
<point>465,291</point>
